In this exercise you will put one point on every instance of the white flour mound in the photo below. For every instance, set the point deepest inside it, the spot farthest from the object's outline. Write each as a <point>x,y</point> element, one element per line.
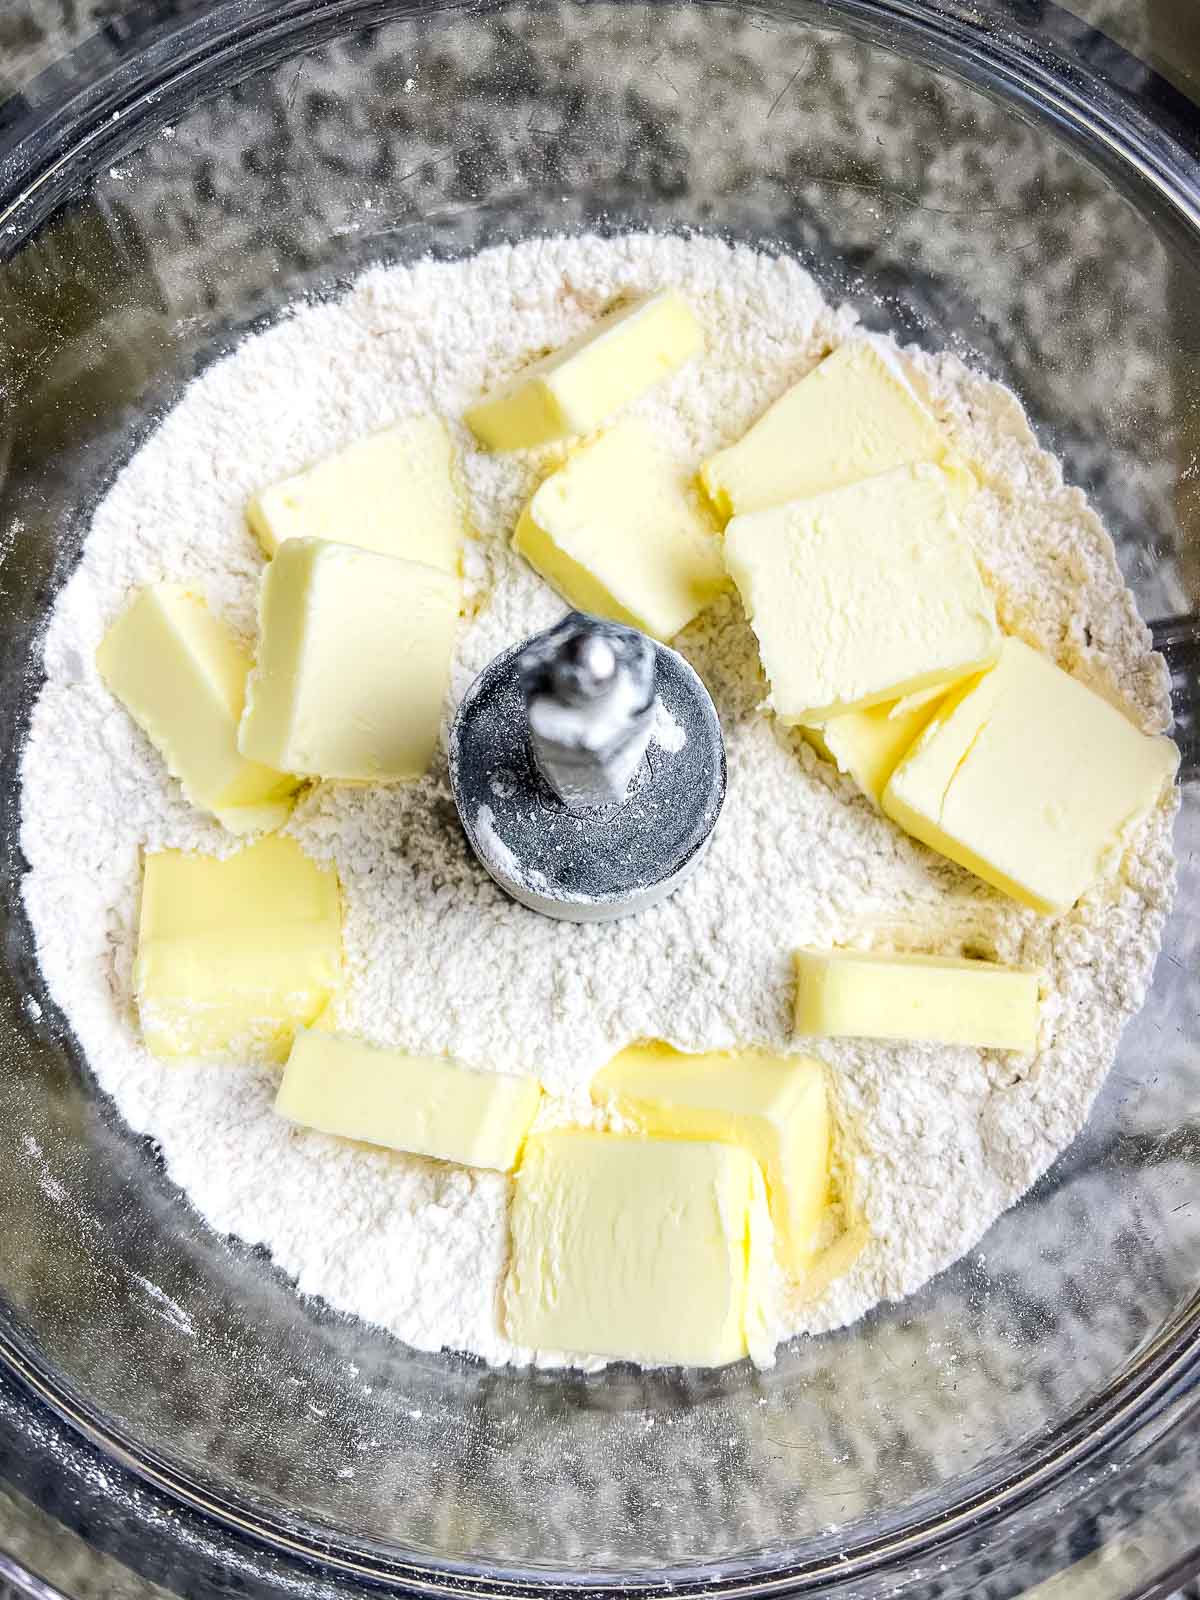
<point>438,959</point>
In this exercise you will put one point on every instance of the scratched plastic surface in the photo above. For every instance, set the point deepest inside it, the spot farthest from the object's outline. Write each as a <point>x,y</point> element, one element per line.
<point>1018,1409</point>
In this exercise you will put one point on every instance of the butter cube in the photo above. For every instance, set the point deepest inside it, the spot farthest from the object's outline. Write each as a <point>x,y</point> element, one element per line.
<point>235,955</point>
<point>869,995</point>
<point>852,417</point>
<point>353,663</point>
<point>773,1106</point>
<point>394,492</point>
<point>649,1250</point>
<point>576,388</point>
<point>423,1104</point>
<point>1030,780</point>
<point>620,532</point>
<point>866,745</point>
<point>835,1261</point>
<point>914,702</point>
<point>864,594</point>
<point>181,675</point>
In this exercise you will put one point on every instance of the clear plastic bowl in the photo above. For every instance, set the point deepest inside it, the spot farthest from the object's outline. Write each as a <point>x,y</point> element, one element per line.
<point>1025,194</point>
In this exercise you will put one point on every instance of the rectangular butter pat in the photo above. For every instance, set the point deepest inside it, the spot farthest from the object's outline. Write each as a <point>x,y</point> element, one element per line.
<point>423,1104</point>
<point>835,1261</point>
<point>773,1106</point>
<point>866,745</point>
<point>853,416</point>
<point>181,675</point>
<point>394,492</point>
<point>870,995</point>
<point>864,594</point>
<point>234,955</point>
<point>353,663</point>
<point>914,702</point>
<point>576,388</point>
<point>649,1250</point>
<point>1030,780</point>
<point>619,531</point>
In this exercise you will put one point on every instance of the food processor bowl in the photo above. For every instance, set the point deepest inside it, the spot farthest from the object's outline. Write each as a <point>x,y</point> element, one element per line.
<point>995,179</point>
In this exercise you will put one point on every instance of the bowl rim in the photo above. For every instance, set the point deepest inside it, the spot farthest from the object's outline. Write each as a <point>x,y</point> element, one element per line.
<point>1160,1388</point>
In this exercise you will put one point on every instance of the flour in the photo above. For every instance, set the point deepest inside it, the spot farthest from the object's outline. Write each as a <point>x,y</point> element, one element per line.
<point>498,853</point>
<point>937,1140</point>
<point>666,733</point>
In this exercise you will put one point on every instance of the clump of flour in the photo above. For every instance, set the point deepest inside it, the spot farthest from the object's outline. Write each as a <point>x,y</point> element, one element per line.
<point>940,1139</point>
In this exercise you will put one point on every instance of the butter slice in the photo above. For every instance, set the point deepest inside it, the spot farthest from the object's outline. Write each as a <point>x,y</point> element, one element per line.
<point>394,492</point>
<point>353,663</point>
<point>866,745</point>
<point>181,675</point>
<point>576,388</point>
<point>914,702</point>
<point>864,594</point>
<point>870,995</point>
<point>773,1106</point>
<point>234,955</point>
<point>423,1104</point>
<point>619,531</point>
<point>1030,780</point>
<point>835,1261</point>
<point>650,1250</point>
<point>852,417</point>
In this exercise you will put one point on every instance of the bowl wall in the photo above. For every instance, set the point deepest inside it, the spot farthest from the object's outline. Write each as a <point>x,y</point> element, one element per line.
<point>281,154</point>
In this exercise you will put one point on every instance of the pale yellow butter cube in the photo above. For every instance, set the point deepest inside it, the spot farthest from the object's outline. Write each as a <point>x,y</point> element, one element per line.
<point>234,955</point>
<point>774,1106</point>
<point>914,702</point>
<point>353,663</point>
<point>866,745</point>
<point>871,995</point>
<point>650,1250</point>
<point>853,416</point>
<point>395,492</point>
<point>181,675</point>
<point>1030,780</point>
<point>836,1260</point>
<point>423,1104</point>
<point>619,531</point>
<point>864,594</point>
<point>576,388</point>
